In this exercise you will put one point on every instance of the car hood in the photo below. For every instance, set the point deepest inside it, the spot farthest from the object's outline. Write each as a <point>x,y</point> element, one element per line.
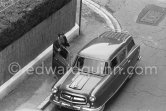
<point>81,83</point>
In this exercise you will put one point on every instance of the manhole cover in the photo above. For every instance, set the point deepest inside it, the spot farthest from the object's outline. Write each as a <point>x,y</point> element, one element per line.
<point>151,15</point>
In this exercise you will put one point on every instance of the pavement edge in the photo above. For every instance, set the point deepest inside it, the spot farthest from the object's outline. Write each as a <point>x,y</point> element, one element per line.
<point>20,76</point>
<point>109,18</point>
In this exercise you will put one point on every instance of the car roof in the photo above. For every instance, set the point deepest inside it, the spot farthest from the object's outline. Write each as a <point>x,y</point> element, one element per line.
<point>104,46</point>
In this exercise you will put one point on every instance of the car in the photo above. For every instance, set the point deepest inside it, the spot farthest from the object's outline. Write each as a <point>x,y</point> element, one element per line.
<point>99,70</point>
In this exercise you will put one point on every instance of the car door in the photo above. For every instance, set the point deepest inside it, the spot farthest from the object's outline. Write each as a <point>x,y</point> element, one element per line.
<point>116,78</point>
<point>60,64</point>
<point>133,52</point>
<point>117,66</point>
<point>120,69</point>
<point>124,63</point>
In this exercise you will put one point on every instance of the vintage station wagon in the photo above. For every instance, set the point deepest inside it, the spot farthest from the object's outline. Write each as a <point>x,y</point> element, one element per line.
<point>98,72</point>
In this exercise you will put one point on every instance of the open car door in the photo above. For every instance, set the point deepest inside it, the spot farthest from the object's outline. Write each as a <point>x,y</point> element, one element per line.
<point>60,61</point>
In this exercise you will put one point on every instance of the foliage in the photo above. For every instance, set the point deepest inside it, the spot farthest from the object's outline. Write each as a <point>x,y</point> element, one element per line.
<point>21,17</point>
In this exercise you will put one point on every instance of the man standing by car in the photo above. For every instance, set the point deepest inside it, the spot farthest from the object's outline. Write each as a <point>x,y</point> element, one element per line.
<point>60,55</point>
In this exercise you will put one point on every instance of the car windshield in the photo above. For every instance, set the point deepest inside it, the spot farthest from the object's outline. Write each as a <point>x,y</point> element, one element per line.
<point>91,66</point>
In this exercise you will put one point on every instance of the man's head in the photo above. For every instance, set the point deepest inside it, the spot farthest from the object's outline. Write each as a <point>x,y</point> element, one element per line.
<point>63,40</point>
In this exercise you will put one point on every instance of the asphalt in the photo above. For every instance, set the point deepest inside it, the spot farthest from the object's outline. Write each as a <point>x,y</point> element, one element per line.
<point>145,92</point>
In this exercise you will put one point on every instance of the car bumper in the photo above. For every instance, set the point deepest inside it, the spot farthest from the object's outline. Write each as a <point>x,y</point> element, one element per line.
<point>74,107</point>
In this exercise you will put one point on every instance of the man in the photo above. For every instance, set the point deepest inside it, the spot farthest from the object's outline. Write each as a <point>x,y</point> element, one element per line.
<point>60,54</point>
<point>62,38</point>
<point>60,45</point>
<point>64,44</point>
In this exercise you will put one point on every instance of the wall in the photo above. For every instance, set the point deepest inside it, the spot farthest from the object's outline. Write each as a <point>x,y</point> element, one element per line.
<point>37,39</point>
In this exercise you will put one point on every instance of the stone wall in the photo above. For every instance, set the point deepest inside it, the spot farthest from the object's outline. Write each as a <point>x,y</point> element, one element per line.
<point>36,40</point>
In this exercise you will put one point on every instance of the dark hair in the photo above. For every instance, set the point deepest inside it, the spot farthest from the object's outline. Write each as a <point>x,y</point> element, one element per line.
<point>62,36</point>
<point>66,41</point>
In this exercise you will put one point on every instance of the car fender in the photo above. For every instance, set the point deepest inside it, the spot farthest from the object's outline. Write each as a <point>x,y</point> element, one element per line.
<point>100,90</point>
<point>64,77</point>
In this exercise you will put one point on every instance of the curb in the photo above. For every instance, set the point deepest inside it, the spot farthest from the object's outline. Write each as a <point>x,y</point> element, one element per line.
<point>20,76</point>
<point>44,104</point>
<point>97,10</point>
<point>109,18</point>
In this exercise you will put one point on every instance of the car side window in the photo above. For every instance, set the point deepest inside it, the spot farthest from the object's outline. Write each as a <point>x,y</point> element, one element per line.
<point>114,62</point>
<point>130,45</point>
<point>122,55</point>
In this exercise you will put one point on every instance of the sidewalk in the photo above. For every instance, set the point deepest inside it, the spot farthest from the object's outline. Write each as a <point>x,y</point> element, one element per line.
<point>37,87</point>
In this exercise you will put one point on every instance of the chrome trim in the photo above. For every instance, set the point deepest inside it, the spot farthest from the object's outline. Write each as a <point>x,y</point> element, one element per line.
<point>127,38</point>
<point>75,107</point>
<point>79,103</point>
<point>73,96</point>
<point>131,51</point>
<point>66,105</point>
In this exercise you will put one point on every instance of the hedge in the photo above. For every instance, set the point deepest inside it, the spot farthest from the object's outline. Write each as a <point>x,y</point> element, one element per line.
<point>21,17</point>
